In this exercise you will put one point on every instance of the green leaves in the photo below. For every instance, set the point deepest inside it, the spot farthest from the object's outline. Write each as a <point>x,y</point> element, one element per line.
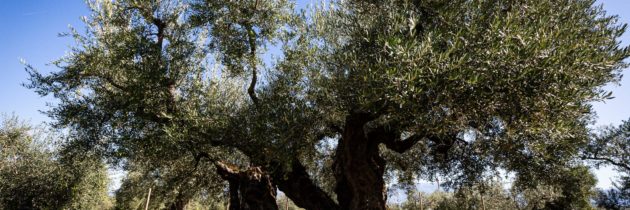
<point>153,84</point>
<point>36,174</point>
<point>444,68</point>
<point>240,30</point>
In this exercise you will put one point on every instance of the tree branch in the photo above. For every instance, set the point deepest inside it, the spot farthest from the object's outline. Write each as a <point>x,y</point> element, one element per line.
<point>402,146</point>
<point>392,138</point>
<point>298,186</point>
<point>251,35</point>
<point>609,161</point>
<point>227,171</point>
<point>252,87</point>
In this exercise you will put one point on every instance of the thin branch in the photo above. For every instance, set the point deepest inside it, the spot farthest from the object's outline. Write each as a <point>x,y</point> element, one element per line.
<point>608,160</point>
<point>107,79</point>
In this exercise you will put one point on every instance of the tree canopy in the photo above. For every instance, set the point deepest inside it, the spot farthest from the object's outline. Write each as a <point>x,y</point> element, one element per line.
<point>329,104</point>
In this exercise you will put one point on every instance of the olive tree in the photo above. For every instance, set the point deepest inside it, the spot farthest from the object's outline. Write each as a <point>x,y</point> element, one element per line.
<point>414,89</point>
<point>460,88</point>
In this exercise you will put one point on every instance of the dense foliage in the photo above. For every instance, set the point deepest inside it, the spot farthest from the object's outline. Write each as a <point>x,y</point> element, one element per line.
<point>32,176</point>
<point>330,104</point>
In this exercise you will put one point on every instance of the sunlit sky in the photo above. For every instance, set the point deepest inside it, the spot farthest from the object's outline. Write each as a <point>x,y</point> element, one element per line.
<point>29,28</point>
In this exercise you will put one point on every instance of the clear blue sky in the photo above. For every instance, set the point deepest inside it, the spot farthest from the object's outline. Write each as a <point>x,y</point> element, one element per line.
<point>29,28</point>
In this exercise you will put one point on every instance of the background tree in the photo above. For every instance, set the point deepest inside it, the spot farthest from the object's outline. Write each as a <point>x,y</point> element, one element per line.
<point>36,175</point>
<point>493,194</point>
<point>172,187</point>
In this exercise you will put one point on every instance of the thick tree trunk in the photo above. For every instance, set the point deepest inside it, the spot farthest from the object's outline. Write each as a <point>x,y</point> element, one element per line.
<point>250,189</point>
<point>298,186</point>
<point>359,169</point>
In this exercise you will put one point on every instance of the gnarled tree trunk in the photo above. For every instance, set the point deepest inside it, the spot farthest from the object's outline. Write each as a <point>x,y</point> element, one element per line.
<point>250,189</point>
<point>294,181</point>
<point>359,169</point>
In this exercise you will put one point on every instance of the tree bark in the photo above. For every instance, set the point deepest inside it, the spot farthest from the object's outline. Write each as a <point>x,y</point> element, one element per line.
<point>250,189</point>
<point>294,181</point>
<point>358,167</point>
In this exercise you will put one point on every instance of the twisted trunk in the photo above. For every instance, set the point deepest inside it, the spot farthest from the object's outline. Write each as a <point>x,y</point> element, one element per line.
<point>294,181</point>
<point>250,189</point>
<point>358,168</point>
